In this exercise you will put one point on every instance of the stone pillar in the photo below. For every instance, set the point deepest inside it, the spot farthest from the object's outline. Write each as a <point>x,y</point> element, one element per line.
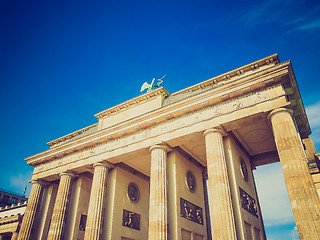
<point>221,211</point>
<point>304,200</point>
<point>14,236</point>
<point>158,205</point>
<point>60,206</point>
<point>96,204</point>
<point>30,213</point>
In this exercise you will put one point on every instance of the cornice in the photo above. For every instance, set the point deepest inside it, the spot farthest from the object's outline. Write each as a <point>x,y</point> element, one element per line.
<point>71,135</point>
<point>132,102</point>
<point>273,59</point>
<point>294,97</point>
<point>237,88</point>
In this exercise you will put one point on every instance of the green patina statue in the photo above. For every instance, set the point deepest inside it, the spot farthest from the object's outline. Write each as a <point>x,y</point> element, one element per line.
<point>153,85</point>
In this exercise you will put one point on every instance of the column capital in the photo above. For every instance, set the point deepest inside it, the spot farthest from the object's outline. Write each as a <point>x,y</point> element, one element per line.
<point>279,110</point>
<point>104,164</point>
<point>213,130</point>
<point>39,181</point>
<point>68,173</point>
<point>165,147</point>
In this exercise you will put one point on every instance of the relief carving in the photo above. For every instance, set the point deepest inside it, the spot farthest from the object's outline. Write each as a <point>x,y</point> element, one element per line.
<point>133,192</point>
<point>92,151</point>
<point>237,104</point>
<point>248,203</point>
<point>191,181</point>
<point>191,211</point>
<point>131,220</point>
<point>259,97</point>
<point>216,110</point>
<point>83,222</point>
<point>243,169</point>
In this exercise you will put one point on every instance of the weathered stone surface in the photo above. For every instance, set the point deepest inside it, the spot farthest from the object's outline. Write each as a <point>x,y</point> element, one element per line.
<point>221,212</point>
<point>30,213</point>
<point>97,201</point>
<point>304,200</point>
<point>60,207</point>
<point>158,206</point>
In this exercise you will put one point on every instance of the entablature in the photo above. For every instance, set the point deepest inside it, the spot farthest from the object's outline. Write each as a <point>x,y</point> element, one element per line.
<point>226,92</point>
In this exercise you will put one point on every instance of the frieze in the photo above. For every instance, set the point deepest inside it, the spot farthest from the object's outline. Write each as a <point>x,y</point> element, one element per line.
<point>131,220</point>
<point>191,211</point>
<point>248,203</point>
<point>71,157</point>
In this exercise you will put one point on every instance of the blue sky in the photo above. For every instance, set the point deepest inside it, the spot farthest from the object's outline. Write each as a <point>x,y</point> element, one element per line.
<point>63,61</point>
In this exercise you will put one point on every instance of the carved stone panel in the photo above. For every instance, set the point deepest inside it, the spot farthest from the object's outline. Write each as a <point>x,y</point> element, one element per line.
<point>191,211</point>
<point>248,203</point>
<point>131,220</point>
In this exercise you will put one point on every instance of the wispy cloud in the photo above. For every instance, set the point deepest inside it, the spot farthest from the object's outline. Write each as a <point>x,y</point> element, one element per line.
<point>293,15</point>
<point>265,12</point>
<point>294,21</point>
<point>306,26</point>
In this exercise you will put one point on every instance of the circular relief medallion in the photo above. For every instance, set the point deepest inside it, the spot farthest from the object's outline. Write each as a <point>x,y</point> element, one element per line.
<point>243,169</point>
<point>191,181</point>
<point>133,192</point>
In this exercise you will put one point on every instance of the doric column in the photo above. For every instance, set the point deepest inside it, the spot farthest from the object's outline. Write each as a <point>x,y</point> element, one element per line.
<point>60,206</point>
<point>304,200</point>
<point>14,236</point>
<point>30,213</point>
<point>221,211</point>
<point>158,205</point>
<point>96,204</point>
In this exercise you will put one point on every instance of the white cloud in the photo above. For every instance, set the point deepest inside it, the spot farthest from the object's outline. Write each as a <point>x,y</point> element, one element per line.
<point>273,196</point>
<point>313,113</point>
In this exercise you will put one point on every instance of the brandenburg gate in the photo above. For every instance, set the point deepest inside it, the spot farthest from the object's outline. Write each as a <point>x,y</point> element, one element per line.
<point>178,166</point>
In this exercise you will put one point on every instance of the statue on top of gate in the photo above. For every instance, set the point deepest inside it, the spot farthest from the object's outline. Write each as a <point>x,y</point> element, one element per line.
<point>153,85</point>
